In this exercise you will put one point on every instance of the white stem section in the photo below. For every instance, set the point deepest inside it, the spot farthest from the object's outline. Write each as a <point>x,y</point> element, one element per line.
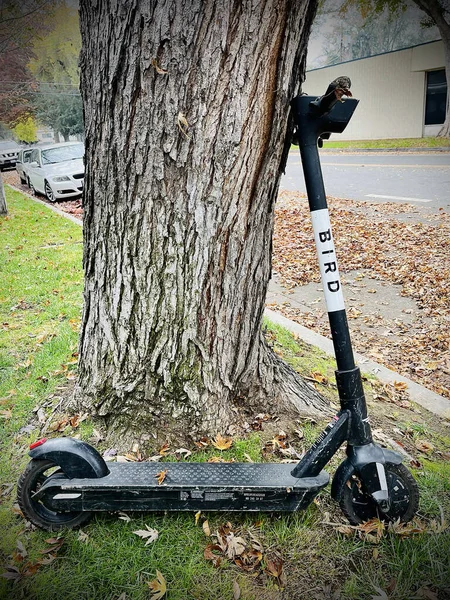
<point>327,260</point>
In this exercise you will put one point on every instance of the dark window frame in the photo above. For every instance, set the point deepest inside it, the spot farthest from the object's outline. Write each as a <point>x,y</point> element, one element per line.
<point>436,90</point>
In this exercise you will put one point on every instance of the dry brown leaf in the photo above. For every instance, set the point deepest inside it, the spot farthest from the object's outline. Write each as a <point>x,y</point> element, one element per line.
<point>158,586</point>
<point>222,443</point>
<point>161,476</point>
<point>208,554</point>
<point>424,446</point>
<point>206,529</point>
<point>373,526</point>
<point>164,449</point>
<point>274,567</point>
<point>400,385</point>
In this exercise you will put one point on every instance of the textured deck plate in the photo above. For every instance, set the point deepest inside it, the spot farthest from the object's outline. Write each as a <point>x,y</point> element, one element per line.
<point>268,476</point>
<point>187,486</point>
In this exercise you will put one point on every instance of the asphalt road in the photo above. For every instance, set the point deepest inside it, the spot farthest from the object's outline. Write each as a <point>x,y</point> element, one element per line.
<point>380,177</point>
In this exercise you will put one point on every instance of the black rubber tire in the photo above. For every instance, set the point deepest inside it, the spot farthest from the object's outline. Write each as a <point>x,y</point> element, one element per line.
<point>358,506</point>
<point>36,511</point>
<point>31,186</point>
<point>49,192</point>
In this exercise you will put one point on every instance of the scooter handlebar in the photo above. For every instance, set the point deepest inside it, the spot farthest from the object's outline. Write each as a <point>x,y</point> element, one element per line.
<point>337,89</point>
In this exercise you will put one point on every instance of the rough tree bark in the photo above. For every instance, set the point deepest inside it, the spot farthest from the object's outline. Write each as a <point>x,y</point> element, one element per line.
<point>186,114</point>
<point>3,207</point>
<point>439,12</point>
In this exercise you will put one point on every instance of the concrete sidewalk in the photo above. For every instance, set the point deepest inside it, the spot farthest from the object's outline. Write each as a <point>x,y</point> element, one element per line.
<point>418,393</point>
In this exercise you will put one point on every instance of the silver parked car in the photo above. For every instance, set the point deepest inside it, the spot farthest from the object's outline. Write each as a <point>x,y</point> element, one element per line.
<point>8,154</point>
<point>57,170</point>
<point>22,164</point>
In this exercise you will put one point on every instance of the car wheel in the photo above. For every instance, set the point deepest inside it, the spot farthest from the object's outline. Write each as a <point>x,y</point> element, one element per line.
<point>23,181</point>
<point>49,192</point>
<point>31,186</point>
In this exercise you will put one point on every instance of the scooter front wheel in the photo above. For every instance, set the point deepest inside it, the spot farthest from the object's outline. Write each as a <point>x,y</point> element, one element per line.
<point>34,476</point>
<point>358,506</point>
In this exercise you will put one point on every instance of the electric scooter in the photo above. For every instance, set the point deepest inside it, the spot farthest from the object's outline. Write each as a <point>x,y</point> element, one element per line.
<point>67,479</point>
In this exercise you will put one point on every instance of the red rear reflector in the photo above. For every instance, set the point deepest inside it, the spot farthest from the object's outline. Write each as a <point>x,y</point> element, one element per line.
<point>38,443</point>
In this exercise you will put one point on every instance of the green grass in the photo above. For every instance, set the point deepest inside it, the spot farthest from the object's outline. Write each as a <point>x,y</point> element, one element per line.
<point>426,142</point>
<point>40,302</point>
<point>400,143</point>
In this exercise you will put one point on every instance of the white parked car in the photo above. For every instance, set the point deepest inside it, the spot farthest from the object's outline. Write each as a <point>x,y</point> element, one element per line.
<point>57,170</point>
<point>23,161</point>
<point>8,154</point>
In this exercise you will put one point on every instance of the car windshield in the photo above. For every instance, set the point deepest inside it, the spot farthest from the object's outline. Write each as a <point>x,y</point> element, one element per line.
<point>62,153</point>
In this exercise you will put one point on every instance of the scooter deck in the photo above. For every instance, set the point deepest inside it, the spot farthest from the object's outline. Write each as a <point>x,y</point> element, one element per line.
<point>186,487</point>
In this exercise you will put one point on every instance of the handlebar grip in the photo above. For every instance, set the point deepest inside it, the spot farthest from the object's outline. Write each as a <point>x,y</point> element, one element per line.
<point>335,91</point>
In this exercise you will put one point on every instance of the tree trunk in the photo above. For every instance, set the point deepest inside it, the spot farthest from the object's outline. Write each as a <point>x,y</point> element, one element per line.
<point>445,131</point>
<point>3,207</point>
<point>435,10</point>
<point>186,116</point>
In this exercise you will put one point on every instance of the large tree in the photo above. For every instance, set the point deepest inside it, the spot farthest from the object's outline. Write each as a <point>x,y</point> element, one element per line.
<point>186,110</point>
<point>20,24</point>
<point>437,12</point>
<point>3,207</point>
<point>358,36</point>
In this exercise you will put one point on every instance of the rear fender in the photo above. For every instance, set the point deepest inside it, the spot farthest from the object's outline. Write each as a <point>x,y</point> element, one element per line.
<point>76,458</point>
<point>347,468</point>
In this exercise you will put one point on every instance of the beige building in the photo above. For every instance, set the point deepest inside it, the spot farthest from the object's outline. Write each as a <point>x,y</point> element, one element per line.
<point>402,93</point>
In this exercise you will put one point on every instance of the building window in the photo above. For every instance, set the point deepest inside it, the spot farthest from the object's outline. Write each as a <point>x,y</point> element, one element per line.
<point>436,97</point>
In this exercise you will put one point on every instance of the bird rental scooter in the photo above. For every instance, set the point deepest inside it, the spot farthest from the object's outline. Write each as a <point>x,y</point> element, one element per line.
<point>67,479</point>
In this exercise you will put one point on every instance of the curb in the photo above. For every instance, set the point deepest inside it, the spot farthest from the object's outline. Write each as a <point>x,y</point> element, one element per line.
<point>58,211</point>
<point>418,393</point>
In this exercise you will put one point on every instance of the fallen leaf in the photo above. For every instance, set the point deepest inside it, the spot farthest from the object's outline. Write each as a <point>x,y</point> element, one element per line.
<point>236,591</point>
<point>197,516</point>
<point>426,592</point>
<point>400,385</point>
<point>184,452</point>
<point>164,449</point>
<point>158,586</point>
<point>56,544</point>
<point>274,567</point>
<point>148,534</point>
<point>208,554</point>
<point>82,536</point>
<point>222,443</point>
<point>12,573</point>
<point>161,476</point>
<point>381,594</point>
<point>124,517</point>
<point>206,529</point>
<point>424,446</point>
<point>202,443</point>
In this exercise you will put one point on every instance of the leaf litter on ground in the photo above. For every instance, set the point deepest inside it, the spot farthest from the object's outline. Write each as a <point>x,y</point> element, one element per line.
<point>395,244</point>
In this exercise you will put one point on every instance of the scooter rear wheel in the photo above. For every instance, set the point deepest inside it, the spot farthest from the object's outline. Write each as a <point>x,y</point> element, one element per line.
<point>358,506</point>
<point>34,476</point>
